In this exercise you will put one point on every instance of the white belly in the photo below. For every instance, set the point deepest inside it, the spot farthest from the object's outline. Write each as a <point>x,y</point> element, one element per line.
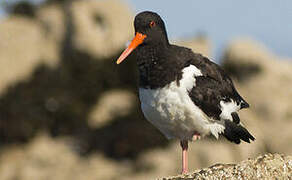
<point>172,111</point>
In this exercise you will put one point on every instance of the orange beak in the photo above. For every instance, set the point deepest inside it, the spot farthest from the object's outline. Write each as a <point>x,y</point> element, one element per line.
<point>138,39</point>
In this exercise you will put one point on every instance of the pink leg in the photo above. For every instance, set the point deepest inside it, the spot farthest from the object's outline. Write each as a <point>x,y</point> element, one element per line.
<point>184,146</point>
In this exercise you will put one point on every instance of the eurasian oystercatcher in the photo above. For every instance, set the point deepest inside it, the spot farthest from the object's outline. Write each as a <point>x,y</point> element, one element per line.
<point>182,93</point>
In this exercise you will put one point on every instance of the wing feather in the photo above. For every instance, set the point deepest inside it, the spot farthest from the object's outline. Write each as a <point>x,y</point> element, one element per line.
<point>213,87</point>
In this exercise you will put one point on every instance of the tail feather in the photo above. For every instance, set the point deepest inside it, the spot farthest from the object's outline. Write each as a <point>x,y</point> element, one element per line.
<point>235,132</point>
<point>244,104</point>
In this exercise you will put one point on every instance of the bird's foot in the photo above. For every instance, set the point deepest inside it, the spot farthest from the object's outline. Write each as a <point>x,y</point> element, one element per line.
<point>184,171</point>
<point>196,136</point>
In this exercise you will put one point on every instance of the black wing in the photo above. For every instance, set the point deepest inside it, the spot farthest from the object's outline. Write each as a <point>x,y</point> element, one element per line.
<point>212,87</point>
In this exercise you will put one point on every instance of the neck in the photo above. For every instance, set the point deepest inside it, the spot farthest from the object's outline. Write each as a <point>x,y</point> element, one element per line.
<point>150,54</point>
<point>155,66</point>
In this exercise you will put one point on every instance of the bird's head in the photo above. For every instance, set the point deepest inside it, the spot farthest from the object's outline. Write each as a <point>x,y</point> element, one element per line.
<point>149,30</point>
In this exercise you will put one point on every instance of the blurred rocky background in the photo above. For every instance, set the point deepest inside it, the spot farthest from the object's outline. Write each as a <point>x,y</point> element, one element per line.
<point>67,111</point>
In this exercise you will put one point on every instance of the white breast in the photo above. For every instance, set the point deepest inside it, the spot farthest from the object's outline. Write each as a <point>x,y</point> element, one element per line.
<point>172,111</point>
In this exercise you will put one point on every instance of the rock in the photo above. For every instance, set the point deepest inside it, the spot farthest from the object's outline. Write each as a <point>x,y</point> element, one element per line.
<point>51,18</point>
<point>23,47</point>
<point>244,58</point>
<point>113,104</point>
<point>38,160</point>
<point>19,49</point>
<point>269,166</point>
<point>37,76</point>
<point>101,28</point>
<point>199,44</point>
<point>22,8</point>
<point>245,51</point>
<point>47,158</point>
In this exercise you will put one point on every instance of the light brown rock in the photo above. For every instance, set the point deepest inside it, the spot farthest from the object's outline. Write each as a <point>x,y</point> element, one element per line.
<point>46,158</point>
<point>101,28</point>
<point>113,104</point>
<point>20,46</point>
<point>269,166</point>
<point>51,18</point>
<point>199,44</point>
<point>27,43</point>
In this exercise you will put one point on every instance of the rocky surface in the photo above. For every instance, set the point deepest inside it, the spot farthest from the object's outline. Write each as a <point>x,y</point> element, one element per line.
<point>269,166</point>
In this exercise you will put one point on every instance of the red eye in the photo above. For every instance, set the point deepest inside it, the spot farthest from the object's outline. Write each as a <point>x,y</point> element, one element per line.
<point>152,24</point>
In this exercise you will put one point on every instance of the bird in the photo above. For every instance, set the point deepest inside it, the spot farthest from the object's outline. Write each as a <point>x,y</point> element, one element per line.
<point>184,94</point>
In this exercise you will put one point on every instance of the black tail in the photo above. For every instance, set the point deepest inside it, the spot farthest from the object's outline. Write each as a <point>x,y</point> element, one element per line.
<point>244,104</point>
<point>235,132</point>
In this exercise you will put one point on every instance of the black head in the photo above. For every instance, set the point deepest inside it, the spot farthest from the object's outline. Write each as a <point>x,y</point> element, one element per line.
<point>151,25</point>
<point>149,30</point>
